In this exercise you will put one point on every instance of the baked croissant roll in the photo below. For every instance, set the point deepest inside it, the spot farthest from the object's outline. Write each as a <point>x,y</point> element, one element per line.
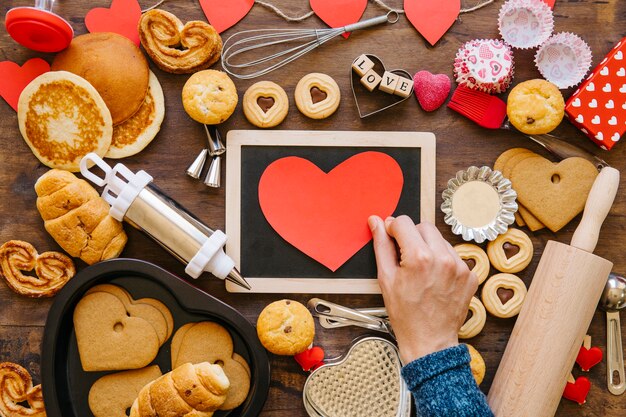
<point>16,390</point>
<point>187,391</point>
<point>78,218</point>
<point>178,48</point>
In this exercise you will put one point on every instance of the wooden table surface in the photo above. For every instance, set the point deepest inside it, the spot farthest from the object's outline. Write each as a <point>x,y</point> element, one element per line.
<point>460,143</point>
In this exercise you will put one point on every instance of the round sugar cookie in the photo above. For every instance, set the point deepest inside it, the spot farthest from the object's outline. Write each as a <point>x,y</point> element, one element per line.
<point>285,327</point>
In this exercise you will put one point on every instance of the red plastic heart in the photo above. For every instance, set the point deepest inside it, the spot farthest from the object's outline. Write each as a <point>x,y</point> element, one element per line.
<point>431,90</point>
<point>121,18</point>
<point>310,359</point>
<point>432,18</point>
<point>577,391</point>
<point>339,13</point>
<point>588,358</point>
<point>13,78</point>
<point>324,215</point>
<point>223,14</point>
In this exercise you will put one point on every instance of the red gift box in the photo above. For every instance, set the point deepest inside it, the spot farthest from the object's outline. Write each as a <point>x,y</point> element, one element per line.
<point>598,107</point>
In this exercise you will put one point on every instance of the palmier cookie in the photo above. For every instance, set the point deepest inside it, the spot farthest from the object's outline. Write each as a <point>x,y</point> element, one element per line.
<point>475,258</point>
<point>476,321</point>
<point>510,252</point>
<point>503,295</point>
<point>265,104</point>
<point>317,95</point>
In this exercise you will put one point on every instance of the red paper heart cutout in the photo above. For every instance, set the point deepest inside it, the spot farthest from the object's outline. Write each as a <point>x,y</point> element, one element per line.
<point>432,18</point>
<point>588,358</point>
<point>577,391</point>
<point>13,78</point>
<point>121,18</point>
<point>431,90</point>
<point>223,14</point>
<point>310,359</point>
<point>550,3</point>
<point>324,215</point>
<point>339,13</point>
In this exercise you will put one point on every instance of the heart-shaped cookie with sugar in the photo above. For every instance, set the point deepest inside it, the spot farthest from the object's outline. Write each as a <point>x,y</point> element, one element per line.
<point>108,338</point>
<point>372,366</point>
<point>554,193</point>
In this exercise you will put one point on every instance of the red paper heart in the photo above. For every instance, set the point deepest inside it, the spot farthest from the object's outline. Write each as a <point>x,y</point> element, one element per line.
<point>323,214</point>
<point>121,18</point>
<point>310,359</point>
<point>223,14</point>
<point>588,358</point>
<point>13,78</point>
<point>432,18</point>
<point>550,3</point>
<point>577,391</point>
<point>339,13</point>
<point>431,90</point>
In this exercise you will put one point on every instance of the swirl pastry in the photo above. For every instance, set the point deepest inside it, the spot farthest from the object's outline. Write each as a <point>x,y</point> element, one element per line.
<point>53,269</point>
<point>178,48</point>
<point>16,388</point>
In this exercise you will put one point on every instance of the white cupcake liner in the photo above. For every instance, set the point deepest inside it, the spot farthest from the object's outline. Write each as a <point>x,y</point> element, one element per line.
<point>484,65</point>
<point>525,24</point>
<point>564,59</point>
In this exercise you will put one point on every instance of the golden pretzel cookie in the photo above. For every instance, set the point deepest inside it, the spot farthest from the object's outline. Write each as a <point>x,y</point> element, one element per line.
<point>317,95</point>
<point>265,104</point>
<point>476,322</point>
<point>16,388</point>
<point>53,269</point>
<point>503,295</point>
<point>210,97</point>
<point>510,252</point>
<point>178,48</point>
<point>475,258</point>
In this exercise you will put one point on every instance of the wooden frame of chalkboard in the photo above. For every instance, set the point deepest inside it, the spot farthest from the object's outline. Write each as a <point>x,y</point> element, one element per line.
<point>252,241</point>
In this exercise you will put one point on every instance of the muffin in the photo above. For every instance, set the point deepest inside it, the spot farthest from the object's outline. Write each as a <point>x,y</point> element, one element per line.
<point>285,327</point>
<point>210,97</point>
<point>535,107</point>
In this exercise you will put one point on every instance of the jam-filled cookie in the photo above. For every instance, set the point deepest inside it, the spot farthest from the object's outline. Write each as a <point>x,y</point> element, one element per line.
<point>475,258</point>
<point>265,104</point>
<point>317,95</point>
<point>503,295</point>
<point>511,252</point>
<point>476,322</point>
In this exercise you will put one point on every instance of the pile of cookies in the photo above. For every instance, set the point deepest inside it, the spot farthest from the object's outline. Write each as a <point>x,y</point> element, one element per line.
<point>389,82</point>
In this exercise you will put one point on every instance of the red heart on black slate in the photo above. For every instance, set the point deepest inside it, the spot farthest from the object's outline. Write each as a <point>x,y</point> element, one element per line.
<point>431,90</point>
<point>121,18</point>
<point>577,391</point>
<point>310,359</point>
<point>588,358</point>
<point>13,78</point>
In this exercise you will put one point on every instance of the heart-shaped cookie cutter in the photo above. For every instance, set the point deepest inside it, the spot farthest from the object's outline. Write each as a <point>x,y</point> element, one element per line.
<point>376,92</point>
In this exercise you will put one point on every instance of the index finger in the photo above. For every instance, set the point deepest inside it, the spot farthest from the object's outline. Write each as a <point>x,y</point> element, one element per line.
<point>403,230</point>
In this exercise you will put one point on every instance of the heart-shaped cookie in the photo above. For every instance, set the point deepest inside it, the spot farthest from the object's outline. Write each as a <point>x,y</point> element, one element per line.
<point>554,193</point>
<point>108,338</point>
<point>121,18</point>
<point>369,103</point>
<point>372,368</point>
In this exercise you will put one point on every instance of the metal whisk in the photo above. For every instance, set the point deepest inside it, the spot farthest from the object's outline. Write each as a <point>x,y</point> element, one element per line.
<point>309,39</point>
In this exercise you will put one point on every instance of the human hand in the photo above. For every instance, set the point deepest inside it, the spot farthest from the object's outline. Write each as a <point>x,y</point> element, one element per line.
<point>425,285</point>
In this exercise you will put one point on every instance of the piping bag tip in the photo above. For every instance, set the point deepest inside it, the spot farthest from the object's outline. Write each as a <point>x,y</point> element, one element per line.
<point>236,278</point>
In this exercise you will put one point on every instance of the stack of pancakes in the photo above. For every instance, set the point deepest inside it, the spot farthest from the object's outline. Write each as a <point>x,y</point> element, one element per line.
<point>100,97</point>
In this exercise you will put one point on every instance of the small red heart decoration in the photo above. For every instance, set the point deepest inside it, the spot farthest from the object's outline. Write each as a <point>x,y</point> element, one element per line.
<point>432,18</point>
<point>121,18</point>
<point>577,391</point>
<point>550,3</point>
<point>324,215</point>
<point>310,359</point>
<point>13,78</point>
<point>223,14</point>
<point>431,90</point>
<point>339,13</point>
<point>588,358</point>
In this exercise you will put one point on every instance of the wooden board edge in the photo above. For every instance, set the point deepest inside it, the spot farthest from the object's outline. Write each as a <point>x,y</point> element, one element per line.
<point>308,286</point>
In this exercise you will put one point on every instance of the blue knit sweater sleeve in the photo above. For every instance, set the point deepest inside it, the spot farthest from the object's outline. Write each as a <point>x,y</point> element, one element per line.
<point>442,385</point>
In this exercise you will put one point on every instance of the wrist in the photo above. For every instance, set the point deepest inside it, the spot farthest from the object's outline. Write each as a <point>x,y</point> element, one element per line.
<point>414,349</point>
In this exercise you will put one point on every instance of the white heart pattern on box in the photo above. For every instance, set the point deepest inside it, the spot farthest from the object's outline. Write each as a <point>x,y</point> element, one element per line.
<point>623,89</point>
<point>600,136</point>
<point>595,120</point>
<point>580,118</point>
<point>590,87</point>
<point>609,104</point>
<point>593,103</point>
<point>605,71</point>
<point>613,121</point>
<point>576,102</point>
<point>615,137</point>
<point>607,88</point>
<point>621,72</point>
<point>618,56</point>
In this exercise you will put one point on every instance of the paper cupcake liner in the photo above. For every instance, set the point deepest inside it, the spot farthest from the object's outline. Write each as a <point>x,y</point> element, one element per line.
<point>525,23</point>
<point>564,59</point>
<point>484,65</point>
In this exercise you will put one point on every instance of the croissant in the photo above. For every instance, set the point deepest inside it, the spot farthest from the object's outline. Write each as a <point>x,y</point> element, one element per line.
<point>187,391</point>
<point>78,218</point>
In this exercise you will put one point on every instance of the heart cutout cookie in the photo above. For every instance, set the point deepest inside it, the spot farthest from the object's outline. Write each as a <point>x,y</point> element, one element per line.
<point>554,193</point>
<point>372,365</point>
<point>121,18</point>
<point>369,103</point>
<point>13,78</point>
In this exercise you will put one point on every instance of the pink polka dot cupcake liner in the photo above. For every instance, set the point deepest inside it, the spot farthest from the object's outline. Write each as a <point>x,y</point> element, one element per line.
<point>525,23</point>
<point>484,65</point>
<point>564,59</point>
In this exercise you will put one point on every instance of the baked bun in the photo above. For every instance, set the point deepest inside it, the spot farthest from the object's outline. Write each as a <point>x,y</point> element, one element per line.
<point>114,65</point>
<point>210,97</point>
<point>285,327</point>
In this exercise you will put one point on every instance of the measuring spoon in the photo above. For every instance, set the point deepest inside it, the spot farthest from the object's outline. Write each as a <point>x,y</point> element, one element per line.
<point>614,299</point>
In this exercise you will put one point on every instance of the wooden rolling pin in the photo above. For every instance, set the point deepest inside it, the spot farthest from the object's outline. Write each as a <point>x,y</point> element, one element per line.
<point>556,314</point>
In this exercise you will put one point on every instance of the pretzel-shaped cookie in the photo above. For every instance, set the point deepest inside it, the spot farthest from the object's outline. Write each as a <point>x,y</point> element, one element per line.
<point>161,34</point>
<point>53,269</point>
<point>16,386</point>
